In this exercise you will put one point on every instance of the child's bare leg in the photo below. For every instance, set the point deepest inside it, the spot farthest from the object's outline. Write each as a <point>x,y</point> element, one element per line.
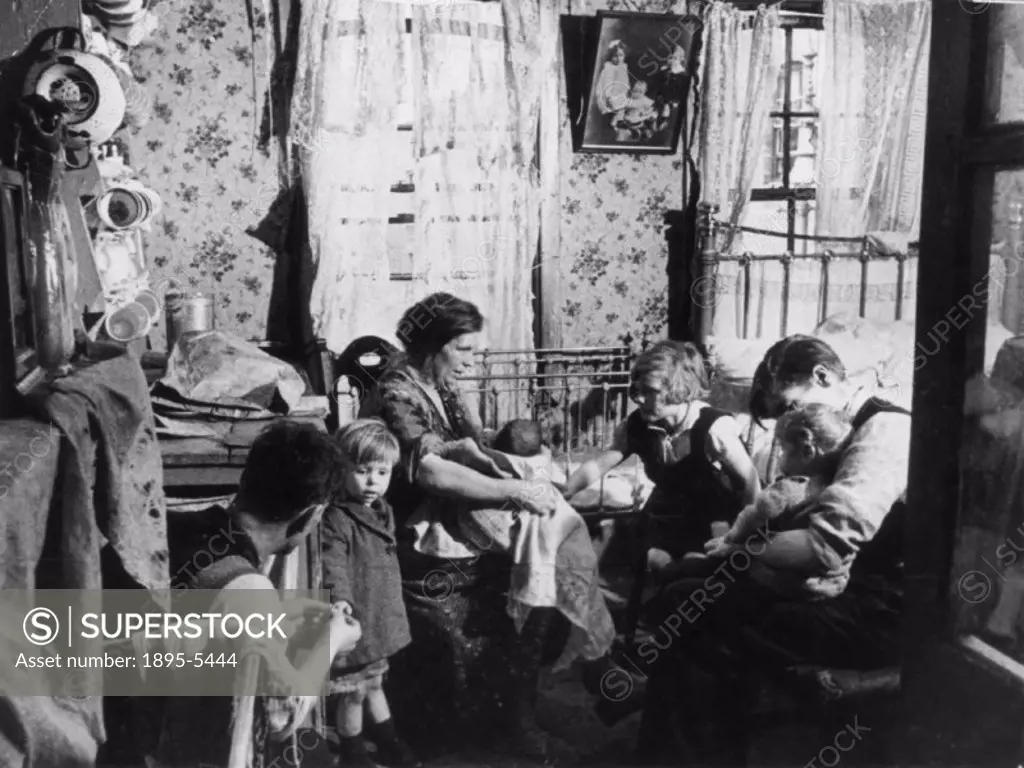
<point>349,715</point>
<point>377,706</point>
<point>391,749</point>
<point>348,719</point>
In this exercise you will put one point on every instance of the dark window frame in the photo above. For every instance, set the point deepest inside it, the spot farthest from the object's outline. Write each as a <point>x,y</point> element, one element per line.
<point>786,192</point>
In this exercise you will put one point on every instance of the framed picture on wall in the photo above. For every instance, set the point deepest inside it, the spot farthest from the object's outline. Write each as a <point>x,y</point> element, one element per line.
<point>640,66</point>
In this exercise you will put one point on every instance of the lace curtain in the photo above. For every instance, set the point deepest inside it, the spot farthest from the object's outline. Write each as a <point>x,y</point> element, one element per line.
<point>477,210</point>
<point>740,67</point>
<point>481,72</point>
<point>342,124</point>
<point>873,107</point>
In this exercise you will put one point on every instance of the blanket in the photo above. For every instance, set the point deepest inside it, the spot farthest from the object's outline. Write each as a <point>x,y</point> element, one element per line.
<point>553,561</point>
<point>109,491</point>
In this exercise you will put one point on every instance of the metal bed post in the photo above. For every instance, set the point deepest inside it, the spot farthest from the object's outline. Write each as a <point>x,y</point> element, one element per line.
<point>826,261</point>
<point>787,263</point>
<point>745,262</point>
<point>865,257</point>
<point>901,270</point>
<point>705,295</point>
<point>485,383</point>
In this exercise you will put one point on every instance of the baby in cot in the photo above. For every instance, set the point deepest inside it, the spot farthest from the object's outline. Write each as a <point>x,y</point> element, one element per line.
<point>811,441</point>
<point>554,563</point>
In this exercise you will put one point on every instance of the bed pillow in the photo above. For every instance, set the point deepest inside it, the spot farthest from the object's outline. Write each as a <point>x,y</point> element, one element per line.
<point>733,362</point>
<point>861,345</point>
<point>877,354</point>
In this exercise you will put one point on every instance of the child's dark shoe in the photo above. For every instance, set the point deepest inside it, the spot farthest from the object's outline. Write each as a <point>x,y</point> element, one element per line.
<point>396,754</point>
<point>392,751</point>
<point>354,753</point>
<point>611,713</point>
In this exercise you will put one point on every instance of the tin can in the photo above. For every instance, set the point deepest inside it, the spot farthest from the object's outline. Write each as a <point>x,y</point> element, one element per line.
<point>187,313</point>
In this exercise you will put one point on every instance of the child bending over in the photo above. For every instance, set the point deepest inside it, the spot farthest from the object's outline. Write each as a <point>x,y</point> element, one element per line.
<point>691,452</point>
<point>361,571</point>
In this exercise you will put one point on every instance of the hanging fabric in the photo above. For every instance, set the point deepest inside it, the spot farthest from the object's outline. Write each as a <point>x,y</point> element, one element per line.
<point>740,61</point>
<point>476,104</point>
<point>342,121</point>
<point>873,106</point>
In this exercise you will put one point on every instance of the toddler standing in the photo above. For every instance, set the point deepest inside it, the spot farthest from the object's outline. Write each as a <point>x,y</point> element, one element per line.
<point>361,571</point>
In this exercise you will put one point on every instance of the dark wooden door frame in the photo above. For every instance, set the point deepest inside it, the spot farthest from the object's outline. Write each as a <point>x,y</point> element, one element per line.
<point>959,152</point>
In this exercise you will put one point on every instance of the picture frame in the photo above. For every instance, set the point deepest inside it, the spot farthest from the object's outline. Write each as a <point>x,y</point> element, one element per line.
<point>19,364</point>
<point>639,70</point>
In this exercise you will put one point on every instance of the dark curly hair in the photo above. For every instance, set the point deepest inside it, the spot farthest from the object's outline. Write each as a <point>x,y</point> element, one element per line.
<point>429,324</point>
<point>787,362</point>
<point>291,466</point>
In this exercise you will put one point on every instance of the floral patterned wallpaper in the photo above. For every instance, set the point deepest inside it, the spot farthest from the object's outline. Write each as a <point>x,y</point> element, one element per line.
<point>202,152</point>
<point>613,242</point>
<point>614,249</point>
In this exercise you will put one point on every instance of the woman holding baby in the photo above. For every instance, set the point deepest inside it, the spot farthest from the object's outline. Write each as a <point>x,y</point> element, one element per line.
<point>454,589</point>
<point>808,575</point>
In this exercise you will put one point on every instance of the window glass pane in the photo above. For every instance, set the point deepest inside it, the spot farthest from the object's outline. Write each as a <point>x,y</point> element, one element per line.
<point>803,146</point>
<point>404,113</point>
<point>988,565</point>
<point>1004,100</point>
<point>804,71</point>
<point>803,139</point>
<point>805,82</point>
<point>770,158</point>
<point>400,238</point>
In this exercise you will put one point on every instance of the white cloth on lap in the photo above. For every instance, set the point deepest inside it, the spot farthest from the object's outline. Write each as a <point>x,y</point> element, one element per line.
<point>554,564</point>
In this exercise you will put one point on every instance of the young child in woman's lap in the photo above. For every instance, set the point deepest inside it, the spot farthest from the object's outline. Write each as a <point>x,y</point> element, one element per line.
<point>811,441</point>
<point>361,572</point>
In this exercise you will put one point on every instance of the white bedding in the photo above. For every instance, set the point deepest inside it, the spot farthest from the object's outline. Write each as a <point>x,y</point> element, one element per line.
<point>876,354</point>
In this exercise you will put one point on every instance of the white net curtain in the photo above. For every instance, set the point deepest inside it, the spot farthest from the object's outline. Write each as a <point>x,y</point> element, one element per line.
<point>479,73</point>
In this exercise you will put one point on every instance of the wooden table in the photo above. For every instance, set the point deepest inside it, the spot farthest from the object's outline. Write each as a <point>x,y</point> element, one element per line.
<point>215,464</point>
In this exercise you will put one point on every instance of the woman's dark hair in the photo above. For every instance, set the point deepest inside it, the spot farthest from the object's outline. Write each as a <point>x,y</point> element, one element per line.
<point>787,362</point>
<point>429,324</point>
<point>291,466</point>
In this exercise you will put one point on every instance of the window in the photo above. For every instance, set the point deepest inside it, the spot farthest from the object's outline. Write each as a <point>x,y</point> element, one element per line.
<point>401,223</point>
<point>783,196</point>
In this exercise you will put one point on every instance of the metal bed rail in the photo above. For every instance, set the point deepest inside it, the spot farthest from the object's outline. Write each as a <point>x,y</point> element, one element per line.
<point>580,395</point>
<point>710,233</point>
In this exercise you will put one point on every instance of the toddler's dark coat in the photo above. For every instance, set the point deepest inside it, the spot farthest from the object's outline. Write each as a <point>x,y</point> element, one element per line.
<point>360,565</point>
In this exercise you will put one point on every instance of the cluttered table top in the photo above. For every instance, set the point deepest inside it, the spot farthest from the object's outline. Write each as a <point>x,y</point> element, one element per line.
<point>212,397</point>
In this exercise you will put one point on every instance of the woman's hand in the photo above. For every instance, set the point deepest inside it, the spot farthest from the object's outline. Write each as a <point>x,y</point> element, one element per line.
<point>467,453</point>
<point>717,547</point>
<point>345,631</point>
<point>537,498</point>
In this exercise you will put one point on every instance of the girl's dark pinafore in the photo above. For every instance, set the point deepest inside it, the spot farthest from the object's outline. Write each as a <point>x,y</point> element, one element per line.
<point>689,493</point>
